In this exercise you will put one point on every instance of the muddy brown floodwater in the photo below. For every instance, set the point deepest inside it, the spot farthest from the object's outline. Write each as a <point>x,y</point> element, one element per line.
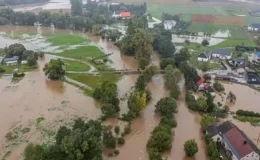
<point>58,103</point>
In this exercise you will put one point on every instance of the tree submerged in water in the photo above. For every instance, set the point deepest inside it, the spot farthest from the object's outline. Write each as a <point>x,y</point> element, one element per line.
<point>54,69</point>
<point>231,98</point>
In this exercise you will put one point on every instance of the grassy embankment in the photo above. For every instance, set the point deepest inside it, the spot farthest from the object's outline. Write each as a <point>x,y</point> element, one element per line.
<point>83,53</point>
<point>22,68</point>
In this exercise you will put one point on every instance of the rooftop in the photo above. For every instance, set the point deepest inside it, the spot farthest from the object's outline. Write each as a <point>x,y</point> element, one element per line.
<point>255,25</point>
<point>238,143</point>
<point>205,54</point>
<point>222,52</point>
<point>125,14</point>
<point>14,58</point>
<point>201,80</point>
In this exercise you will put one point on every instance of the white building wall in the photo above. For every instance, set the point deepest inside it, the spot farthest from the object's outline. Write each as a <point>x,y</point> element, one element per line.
<point>203,59</point>
<point>251,156</point>
<point>221,57</point>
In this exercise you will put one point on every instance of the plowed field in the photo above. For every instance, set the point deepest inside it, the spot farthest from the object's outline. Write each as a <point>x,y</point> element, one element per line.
<point>230,20</point>
<point>203,18</point>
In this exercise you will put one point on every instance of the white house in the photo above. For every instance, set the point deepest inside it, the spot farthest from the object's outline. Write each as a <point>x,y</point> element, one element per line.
<point>205,56</point>
<point>235,142</point>
<point>221,53</point>
<point>169,24</point>
<point>24,62</point>
<point>11,63</point>
<point>116,14</point>
<point>254,27</point>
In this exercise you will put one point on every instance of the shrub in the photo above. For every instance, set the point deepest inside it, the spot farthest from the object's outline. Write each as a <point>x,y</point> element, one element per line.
<point>247,113</point>
<point>18,74</point>
<point>160,140</point>
<point>166,106</point>
<point>117,130</point>
<point>127,129</point>
<point>205,42</point>
<point>2,70</point>
<point>190,147</point>
<point>116,152</point>
<point>170,121</point>
<point>218,87</point>
<point>121,140</point>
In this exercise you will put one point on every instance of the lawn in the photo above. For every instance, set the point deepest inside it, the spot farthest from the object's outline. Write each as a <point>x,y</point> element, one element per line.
<point>158,9</point>
<point>22,68</point>
<point>251,19</point>
<point>186,17</point>
<point>93,81</point>
<point>66,39</point>
<point>233,42</point>
<point>82,52</point>
<point>235,31</point>
<point>75,66</point>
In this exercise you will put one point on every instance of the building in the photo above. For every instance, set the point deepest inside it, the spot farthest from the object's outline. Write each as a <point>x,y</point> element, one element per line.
<point>24,62</point>
<point>254,27</point>
<point>239,62</point>
<point>235,142</point>
<point>255,12</point>
<point>205,56</point>
<point>258,56</point>
<point>125,14</point>
<point>169,24</point>
<point>11,61</point>
<point>116,14</point>
<point>221,53</point>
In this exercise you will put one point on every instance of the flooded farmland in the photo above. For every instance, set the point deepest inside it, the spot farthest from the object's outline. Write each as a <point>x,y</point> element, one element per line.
<point>56,103</point>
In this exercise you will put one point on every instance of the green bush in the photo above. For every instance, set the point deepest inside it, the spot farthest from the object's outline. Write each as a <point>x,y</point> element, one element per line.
<point>2,70</point>
<point>121,140</point>
<point>190,147</point>
<point>117,130</point>
<point>247,113</point>
<point>116,152</point>
<point>18,74</point>
<point>218,87</point>
<point>170,121</point>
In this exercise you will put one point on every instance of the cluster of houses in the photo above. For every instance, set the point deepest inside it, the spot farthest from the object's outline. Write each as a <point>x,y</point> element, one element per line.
<point>216,53</point>
<point>169,24</point>
<point>119,14</point>
<point>236,143</point>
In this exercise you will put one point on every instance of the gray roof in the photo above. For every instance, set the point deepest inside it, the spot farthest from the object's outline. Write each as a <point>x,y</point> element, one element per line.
<point>205,54</point>
<point>212,130</point>
<point>14,58</point>
<point>222,52</point>
<point>255,25</point>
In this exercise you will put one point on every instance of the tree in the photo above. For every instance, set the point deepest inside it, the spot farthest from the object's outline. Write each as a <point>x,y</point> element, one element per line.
<point>231,97</point>
<point>190,147</point>
<point>212,150</point>
<point>108,139</point>
<point>167,61</point>
<point>109,109</point>
<point>160,141</point>
<point>202,104</point>
<point>15,50</point>
<point>140,83</point>
<point>205,42</point>
<point>117,129</point>
<point>207,120</point>
<point>54,69</point>
<point>171,77</point>
<point>76,7</point>
<point>150,71</point>
<point>218,87</point>
<point>183,55</point>
<point>137,102</point>
<point>175,91</point>
<point>62,132</point>
<point>95,29</point>
<point>166,106</point>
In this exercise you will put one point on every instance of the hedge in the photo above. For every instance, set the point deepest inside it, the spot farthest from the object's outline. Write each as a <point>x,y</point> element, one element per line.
<point>247,113</point>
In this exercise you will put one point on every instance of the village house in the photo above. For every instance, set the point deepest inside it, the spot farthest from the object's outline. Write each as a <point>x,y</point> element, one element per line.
<point>236,143</point>
<point>201,85</point>
<point>254,27</point>
<point>11,61</point>
<point>258,56</point>
<point>169,24</point>
<point>221,53</point>
<point>118,14</point>
<point>205,56</point>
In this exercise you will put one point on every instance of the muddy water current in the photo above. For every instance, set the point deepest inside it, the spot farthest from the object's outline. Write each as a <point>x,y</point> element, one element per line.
<point>57,103</point>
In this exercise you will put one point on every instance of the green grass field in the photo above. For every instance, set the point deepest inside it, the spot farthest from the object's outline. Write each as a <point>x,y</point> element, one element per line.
<point>66,39</point>
<point>233,42</point>
<point>235,31</point>
<point>82,52</point>
<point>22,68</point>
<point>158,9</point>
<point>75,66</point>
<point>251,19</point>
<point>93,81</point>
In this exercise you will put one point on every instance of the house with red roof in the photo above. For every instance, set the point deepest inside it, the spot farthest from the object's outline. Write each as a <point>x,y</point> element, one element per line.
<point>118,14</point>
<point>236,143</point>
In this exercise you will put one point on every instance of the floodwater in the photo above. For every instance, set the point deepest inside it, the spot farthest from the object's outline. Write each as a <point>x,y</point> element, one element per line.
<point>58,103</point>
<point>196,39</point>
<point>246,99</point>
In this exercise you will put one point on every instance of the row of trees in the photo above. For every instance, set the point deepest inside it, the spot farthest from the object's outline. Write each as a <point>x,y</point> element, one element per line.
<point>162,135</point>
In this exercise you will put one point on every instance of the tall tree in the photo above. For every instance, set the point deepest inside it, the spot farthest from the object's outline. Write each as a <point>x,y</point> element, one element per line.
<point>166,106</point>
<point>190,147</point>
<point>137,102</point>
<point>54,69</point>
<point>206,121</point>
<point>76,7</point>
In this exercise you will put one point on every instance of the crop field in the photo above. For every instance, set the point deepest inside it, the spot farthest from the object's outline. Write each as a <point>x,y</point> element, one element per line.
<point>203,18</point>
<point>230,20</point>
